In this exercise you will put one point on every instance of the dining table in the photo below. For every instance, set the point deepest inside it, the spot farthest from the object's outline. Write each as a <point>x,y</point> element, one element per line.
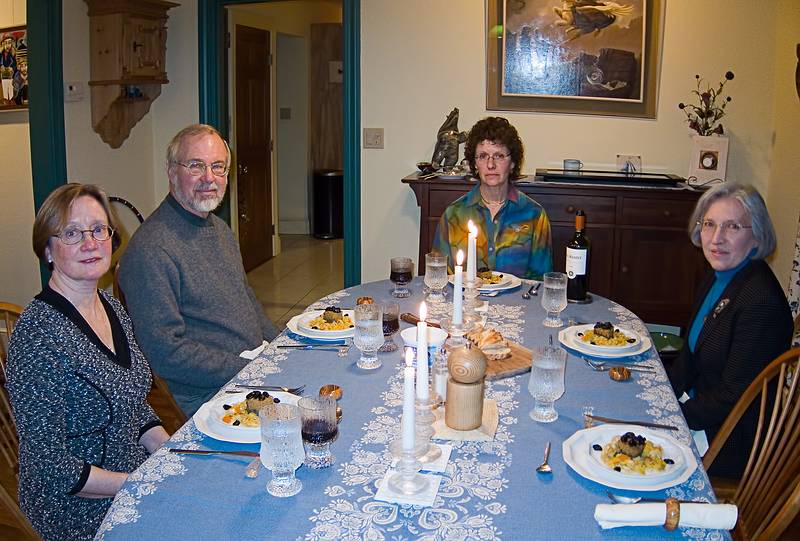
<point>489,489</point>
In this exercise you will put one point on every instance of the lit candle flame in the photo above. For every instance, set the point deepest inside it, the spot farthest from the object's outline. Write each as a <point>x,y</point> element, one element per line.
<point>409,357</point>
<point>472,229</point>
<point>423,311</point>
<point>459,257</point>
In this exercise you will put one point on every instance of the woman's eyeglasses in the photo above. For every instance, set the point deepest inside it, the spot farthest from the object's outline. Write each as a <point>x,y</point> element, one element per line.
<point>708,227</point>
<point>496,157</point>
<point>74,235</point>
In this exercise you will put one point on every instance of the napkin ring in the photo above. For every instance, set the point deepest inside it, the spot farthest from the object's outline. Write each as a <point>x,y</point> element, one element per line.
<point>673,514</point>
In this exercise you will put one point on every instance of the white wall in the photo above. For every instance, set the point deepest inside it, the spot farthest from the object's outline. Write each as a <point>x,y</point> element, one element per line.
<point>19,268</point>
<point>292,134</point>
<point>415,69</point>
<point>784,192</point>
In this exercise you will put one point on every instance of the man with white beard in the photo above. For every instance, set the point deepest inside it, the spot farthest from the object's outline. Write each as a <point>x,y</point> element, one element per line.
<point>183,280</point>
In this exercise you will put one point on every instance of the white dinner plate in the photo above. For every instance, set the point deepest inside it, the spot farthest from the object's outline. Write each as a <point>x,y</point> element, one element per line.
<point>509,282</point>
<point>292,325</point>
<point>207,419</point>
<point>574,333</point>
<point>578,454</point>
<point>304,324</point>
<point>566,338</point>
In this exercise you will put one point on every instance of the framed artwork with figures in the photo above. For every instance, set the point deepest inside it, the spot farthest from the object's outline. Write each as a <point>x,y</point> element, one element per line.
<point>14,68</point>
<point>574,56</point>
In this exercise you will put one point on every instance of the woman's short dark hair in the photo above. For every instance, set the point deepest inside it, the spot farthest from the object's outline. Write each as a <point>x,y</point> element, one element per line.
<point>54,213</point>
<point>754,206</point>
<point>499,131</point>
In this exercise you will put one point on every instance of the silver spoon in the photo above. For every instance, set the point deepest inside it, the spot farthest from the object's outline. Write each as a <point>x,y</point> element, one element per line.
<point>534,290</point>
<point>252,469</point>
<point>544,467</point>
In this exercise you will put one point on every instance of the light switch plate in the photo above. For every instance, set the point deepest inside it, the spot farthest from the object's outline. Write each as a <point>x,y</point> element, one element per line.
<point>629,163</point>
<point>373,137</point>
<point>73,91</point>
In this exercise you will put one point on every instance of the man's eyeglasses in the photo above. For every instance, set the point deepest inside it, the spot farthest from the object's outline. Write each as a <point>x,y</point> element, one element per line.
<point>497,157</point>
<point>728,228</point>
<point>74,235</point>
<point>197,168</point>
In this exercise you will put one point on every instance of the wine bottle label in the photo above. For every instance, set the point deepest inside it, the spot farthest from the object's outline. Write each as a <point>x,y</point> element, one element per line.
<point>576,262</point>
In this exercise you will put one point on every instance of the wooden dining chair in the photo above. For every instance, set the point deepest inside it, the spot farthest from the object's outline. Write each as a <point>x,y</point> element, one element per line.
<point>9,442</point>
<point>768,494</point>
<point>160,397</point>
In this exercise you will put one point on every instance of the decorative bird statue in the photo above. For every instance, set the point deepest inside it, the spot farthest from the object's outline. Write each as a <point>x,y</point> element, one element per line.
<point>586,16</point>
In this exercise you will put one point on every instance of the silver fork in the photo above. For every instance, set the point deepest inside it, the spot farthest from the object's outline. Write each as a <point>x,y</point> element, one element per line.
<point>599,366</point>
<point>290,390</point>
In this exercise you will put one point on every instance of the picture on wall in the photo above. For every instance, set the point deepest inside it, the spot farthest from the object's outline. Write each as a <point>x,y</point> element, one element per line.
<point>14,68</point>
<point>574,56</point>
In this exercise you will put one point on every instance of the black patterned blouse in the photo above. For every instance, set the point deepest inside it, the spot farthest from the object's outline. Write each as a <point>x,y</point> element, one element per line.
<point>76,404</point>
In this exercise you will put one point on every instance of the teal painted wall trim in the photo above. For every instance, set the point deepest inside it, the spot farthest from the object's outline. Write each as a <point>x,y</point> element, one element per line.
<point>212,80</point>
<point>352,142</point>
<point>46,111</point>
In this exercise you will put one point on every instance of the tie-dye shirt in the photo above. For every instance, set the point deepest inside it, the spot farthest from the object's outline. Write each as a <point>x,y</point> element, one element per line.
<point>517,241</point>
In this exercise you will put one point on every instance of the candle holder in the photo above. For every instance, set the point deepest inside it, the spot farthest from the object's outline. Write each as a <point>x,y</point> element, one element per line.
<point>407,479</point>
<point>471,298</point>
<point>424,420</point>
<point>457,331</point>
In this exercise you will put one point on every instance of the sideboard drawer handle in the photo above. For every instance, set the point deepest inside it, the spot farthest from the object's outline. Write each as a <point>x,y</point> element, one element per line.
<point>667,214</point>
<point>624,269</point>
<point>570,209</point>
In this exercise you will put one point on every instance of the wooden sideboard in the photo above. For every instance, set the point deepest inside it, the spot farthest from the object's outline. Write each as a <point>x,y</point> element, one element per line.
<point>641,255</point>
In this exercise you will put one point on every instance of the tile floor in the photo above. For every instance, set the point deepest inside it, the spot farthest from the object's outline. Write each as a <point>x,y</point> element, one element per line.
<point>306,269</point>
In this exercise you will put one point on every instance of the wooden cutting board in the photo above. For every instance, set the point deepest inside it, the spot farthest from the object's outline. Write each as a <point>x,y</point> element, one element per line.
<point>518,363</point>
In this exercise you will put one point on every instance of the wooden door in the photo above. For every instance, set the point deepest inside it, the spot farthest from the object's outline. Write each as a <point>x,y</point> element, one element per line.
<point>253,153</point>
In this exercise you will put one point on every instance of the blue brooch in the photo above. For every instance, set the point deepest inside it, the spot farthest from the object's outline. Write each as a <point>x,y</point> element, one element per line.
<point>720,306</point>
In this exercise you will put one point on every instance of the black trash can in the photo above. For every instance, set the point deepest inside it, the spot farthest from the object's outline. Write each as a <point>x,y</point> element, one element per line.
<point>328,199</point>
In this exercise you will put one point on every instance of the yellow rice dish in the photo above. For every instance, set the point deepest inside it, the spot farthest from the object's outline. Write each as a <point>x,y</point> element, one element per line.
<point>239,412</point>
<point>650,460</point>
<point>619,339</point>
<point>319,323</point>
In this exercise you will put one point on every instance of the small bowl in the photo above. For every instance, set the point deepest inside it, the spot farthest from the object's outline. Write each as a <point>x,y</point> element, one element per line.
<point>436,338</point>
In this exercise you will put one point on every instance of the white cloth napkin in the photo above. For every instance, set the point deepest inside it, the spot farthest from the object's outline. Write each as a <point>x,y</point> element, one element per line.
<point>253,353</point>
<point>716,516</point>
<point>423,499</point>
<point>699,436</point>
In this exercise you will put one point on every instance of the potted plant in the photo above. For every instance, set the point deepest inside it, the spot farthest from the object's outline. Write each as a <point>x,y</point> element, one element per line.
<point>710,145</point>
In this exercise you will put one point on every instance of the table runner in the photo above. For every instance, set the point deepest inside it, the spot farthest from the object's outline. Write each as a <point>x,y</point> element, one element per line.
<point>489,490</point>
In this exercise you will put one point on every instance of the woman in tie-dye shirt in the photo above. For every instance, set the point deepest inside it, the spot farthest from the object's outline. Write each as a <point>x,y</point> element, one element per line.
<point>513,229</point>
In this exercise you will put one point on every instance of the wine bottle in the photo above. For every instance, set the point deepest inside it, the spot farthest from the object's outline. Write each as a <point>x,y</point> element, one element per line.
<point>577,266</point>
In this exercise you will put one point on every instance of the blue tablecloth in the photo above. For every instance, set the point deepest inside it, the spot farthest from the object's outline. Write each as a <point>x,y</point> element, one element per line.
<point>489,491</point>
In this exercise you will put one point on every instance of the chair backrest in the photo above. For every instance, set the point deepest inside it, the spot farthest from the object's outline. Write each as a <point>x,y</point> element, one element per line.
<point>768,495</point>
<point>9,443</point>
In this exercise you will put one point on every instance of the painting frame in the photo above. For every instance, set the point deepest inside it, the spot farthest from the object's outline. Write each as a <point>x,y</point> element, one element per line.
<point>14,92</point>
<point>646,107</point>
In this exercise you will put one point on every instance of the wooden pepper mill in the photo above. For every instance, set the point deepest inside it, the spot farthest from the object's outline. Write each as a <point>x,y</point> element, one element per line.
<point>467,367</point>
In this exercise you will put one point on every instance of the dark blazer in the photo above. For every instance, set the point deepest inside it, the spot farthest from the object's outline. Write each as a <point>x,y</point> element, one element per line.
<point>749,326</point>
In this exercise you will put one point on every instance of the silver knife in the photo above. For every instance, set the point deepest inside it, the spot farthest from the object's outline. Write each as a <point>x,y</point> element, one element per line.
<point>638,423</point>
<point>204,452</point>
<point>328,347</point>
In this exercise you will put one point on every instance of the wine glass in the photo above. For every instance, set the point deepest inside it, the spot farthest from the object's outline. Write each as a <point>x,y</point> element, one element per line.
<point>318,414</point>
<point>546,383</point>
<point>368,335</point>
<point>554,298</point>
<point>435,275</point>
<point>402,269</point>
<point>281,448</point>
<point>391,324</point>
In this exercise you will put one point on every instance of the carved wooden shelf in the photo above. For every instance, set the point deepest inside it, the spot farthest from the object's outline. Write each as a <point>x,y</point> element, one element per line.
<point>128,42</point>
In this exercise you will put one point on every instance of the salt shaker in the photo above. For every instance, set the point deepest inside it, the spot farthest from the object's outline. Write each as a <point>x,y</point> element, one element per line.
<point>440,375</point>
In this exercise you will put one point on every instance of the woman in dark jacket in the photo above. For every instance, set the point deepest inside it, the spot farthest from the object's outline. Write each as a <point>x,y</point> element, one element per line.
<point>740,322</point>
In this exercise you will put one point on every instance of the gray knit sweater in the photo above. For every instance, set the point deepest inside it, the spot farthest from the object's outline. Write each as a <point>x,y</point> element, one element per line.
<point>192,308</point>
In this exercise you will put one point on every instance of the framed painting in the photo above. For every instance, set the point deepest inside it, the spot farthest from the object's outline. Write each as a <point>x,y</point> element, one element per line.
<point>14,68</point>
<point>590,57</point>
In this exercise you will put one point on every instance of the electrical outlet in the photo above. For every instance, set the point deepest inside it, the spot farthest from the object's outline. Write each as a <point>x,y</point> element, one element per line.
<point>629,163</point>
<point>373,137</point>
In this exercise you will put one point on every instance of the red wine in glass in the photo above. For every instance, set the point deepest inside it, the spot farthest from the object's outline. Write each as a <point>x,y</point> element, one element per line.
<point>317,431</point>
